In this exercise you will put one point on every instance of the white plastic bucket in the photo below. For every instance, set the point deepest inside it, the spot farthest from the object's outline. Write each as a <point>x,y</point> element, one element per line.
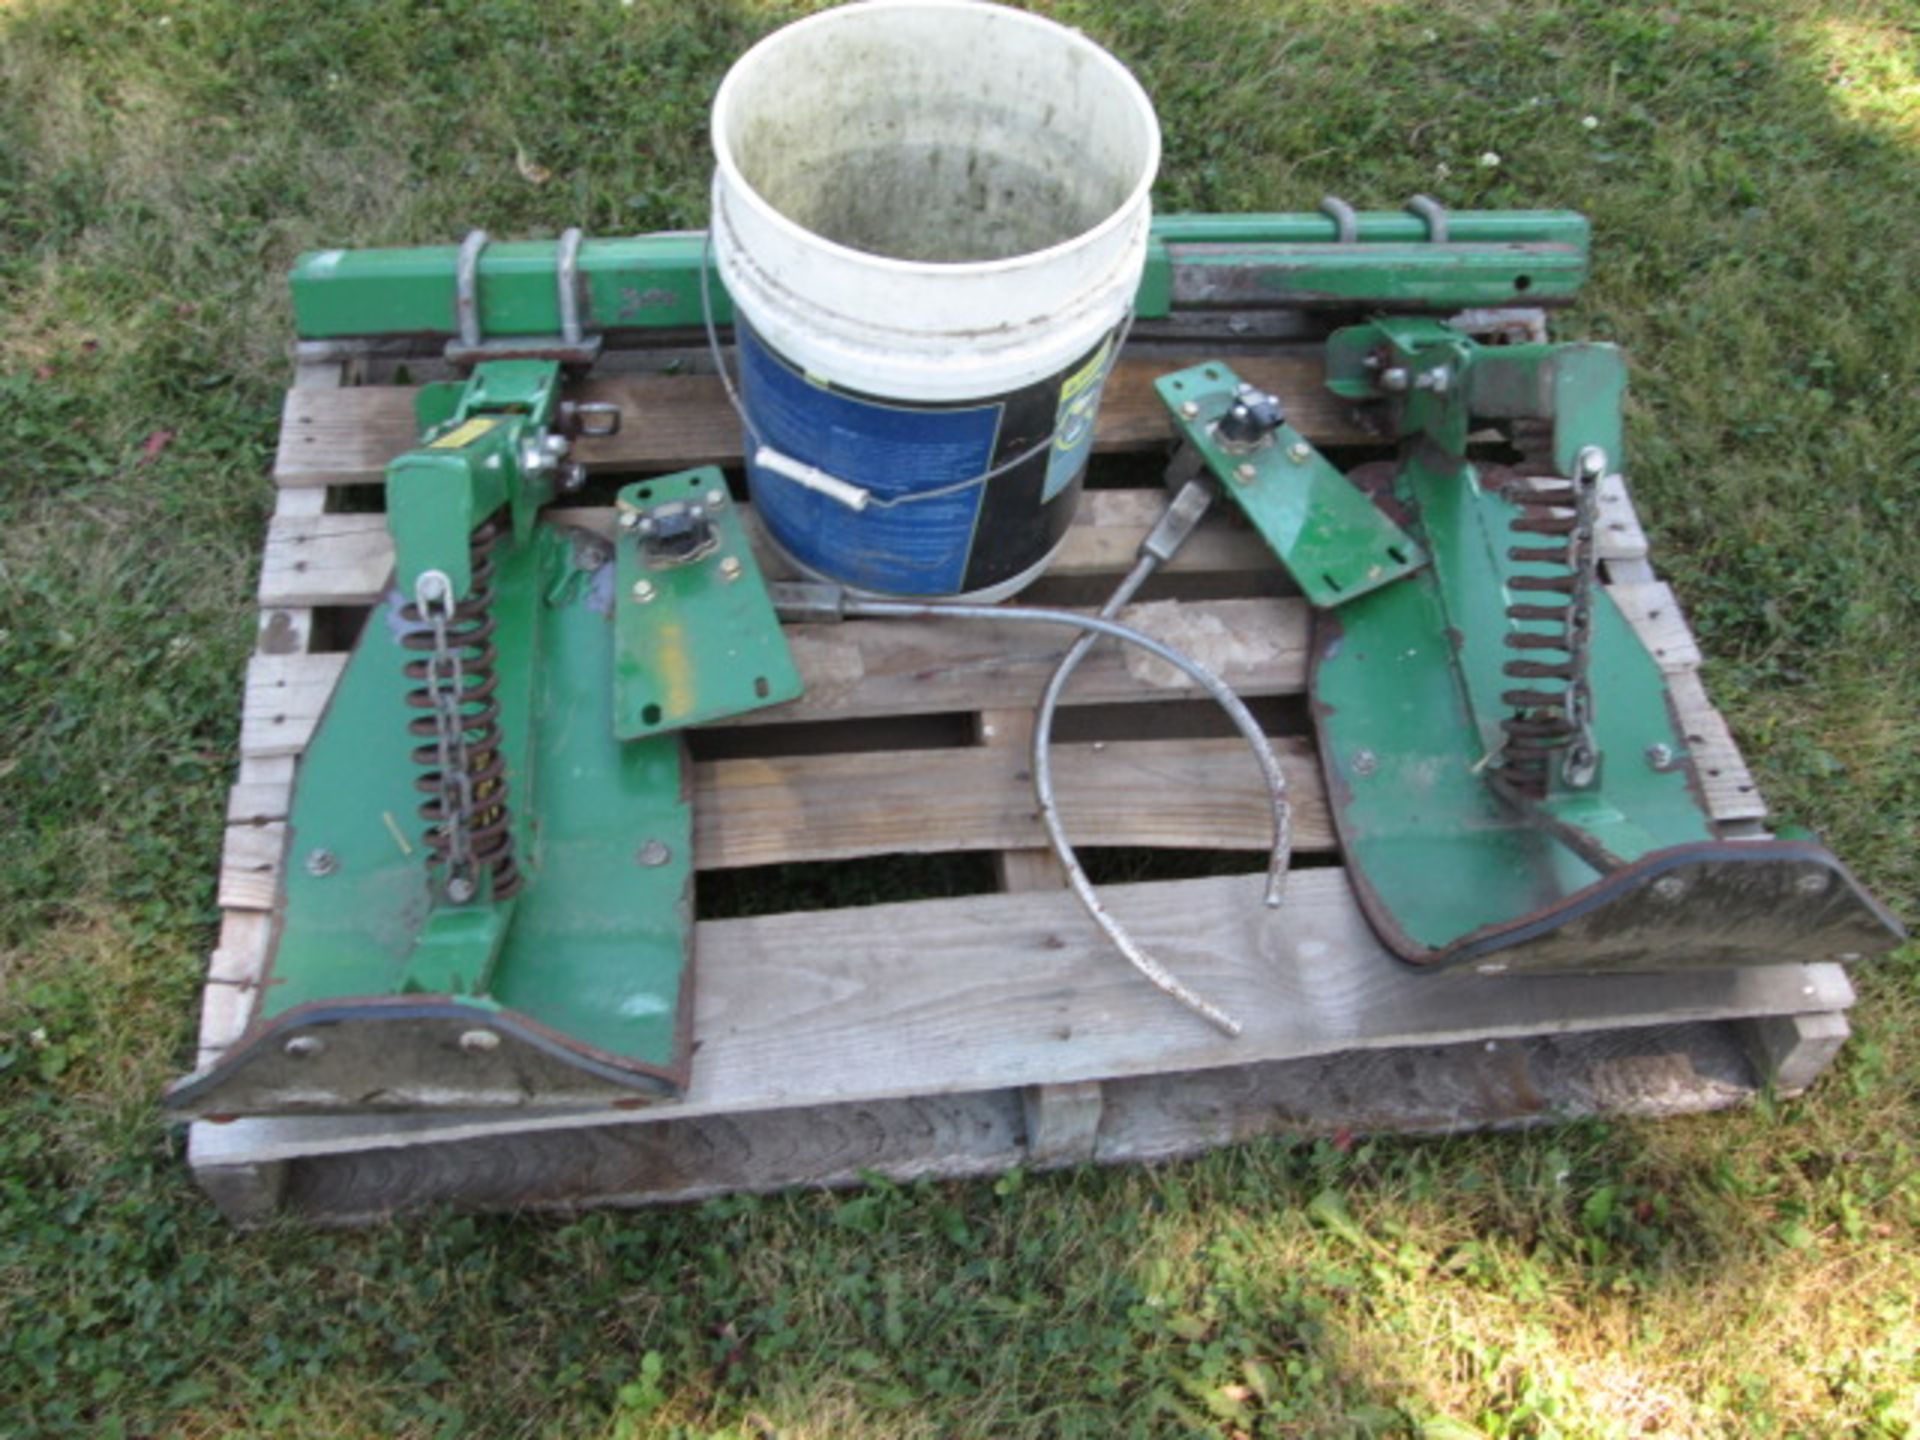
<point>931,216</point>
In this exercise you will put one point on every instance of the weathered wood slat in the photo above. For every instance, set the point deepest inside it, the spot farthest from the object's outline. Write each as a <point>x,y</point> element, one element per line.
<point>1178,794</point>
<point>914,667</point>
<point>250,866</point>
<point>910,667</point>
<point>347,436</point>
<point>1731,794</point>
<point>348,559</point>
<point>1656,617</point>
<point>1197,794</point>
<point>997,991</point>
<point>285,697</point>
<point>1620,536</point>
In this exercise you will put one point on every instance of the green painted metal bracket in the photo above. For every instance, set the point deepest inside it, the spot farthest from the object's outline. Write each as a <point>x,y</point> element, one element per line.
<point>1333,540</point>
<point>1436,381</point>
<point>653,282</point>
<point>581,995</point>
<point>696,638</point>
<point>491,446</point>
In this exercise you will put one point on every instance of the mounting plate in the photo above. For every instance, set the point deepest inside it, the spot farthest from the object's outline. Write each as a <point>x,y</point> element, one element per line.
<point>695,634</point>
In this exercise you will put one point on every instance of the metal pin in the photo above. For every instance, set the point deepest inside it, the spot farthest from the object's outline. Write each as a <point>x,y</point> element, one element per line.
<point>1244,473</point>
<point>730,567</point>
<point>1190,410</point>
<point>643,590</point>
<point>716,498</point>
<point>1298,452</point>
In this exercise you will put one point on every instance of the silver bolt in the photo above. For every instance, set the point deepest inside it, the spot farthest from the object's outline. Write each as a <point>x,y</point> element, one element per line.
<point>716,498</point>
<point>654,853</point>
<point>1669,887</point>
<point>643,590</point>
<point>1244,473</point>
<point>1813,882</point>
<point>1393,378</point>
<point>322,863</point>
<point>1365,762</point>
<point>479,1042</point>
<point>304,1047</point>
<point>1659,756</point>
<point>1190,410</point>
<point>1298,452</point>
<point>460,889</point>
<point>629,519</point>
<point>730,567</point>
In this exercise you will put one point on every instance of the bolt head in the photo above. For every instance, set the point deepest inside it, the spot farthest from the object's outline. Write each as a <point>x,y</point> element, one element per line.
<point>1814,882</point>
<point>629,519</point>
<point>1298,452</point>
<point>643,591</point>
<point>1669,887</point>
<point>304,1047</point>
<point>322,863</point>
<point>460,889</point>
<point>715,498</point>
<point>1189,410</point>
<point>654,853</point>
<point>730,566</point>
<point>480,1042</point>
<point>1659,756</point>
<point>1244,474</point>
<point>1365,762</point>
<point>1393,378</point>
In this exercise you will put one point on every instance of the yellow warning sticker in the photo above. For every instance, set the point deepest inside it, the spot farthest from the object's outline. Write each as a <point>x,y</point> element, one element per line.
<point>464,434</point>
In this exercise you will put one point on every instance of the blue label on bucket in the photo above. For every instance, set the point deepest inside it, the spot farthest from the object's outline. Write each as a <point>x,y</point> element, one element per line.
<point>916,548</point>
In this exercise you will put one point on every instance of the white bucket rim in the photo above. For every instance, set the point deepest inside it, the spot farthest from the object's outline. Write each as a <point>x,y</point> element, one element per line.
<point>1122,214</point>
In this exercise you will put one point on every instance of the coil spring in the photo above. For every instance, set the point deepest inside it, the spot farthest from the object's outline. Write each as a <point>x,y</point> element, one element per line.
<point>470,633</point>
<point>1541,724</point>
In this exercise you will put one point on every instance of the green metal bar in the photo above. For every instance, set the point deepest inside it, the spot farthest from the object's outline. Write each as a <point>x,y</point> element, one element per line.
<point>649,282</point>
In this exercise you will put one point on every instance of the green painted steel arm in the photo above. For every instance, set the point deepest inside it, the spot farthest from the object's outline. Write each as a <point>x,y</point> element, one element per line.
<point>650,282</point>
<point>494,447</point>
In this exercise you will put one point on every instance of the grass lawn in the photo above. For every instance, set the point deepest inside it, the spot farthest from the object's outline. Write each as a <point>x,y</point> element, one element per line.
<point>1751,170</point>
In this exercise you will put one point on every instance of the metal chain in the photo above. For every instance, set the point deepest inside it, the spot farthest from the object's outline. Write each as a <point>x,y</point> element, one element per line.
<point>446,689</point>
<point>1582,761</point>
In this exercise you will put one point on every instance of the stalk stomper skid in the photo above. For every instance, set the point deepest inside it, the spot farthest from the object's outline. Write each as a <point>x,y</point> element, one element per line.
<point>488,884</point>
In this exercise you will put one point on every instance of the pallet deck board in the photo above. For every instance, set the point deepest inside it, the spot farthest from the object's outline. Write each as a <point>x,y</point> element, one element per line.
<point>345,436</point>
<point>952,1037</point>
<point>986,992</point>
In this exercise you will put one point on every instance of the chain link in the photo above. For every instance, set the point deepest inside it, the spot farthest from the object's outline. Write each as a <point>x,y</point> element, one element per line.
<point>1582,762</point>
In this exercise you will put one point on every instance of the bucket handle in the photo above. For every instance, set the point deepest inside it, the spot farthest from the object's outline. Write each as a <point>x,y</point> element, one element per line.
<point>812,477</point>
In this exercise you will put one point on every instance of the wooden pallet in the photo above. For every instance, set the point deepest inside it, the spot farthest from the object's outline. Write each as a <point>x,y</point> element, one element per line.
<point>963,1036</point>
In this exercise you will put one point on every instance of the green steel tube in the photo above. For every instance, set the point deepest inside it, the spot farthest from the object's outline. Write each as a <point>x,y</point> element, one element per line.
<point>651,282</point>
